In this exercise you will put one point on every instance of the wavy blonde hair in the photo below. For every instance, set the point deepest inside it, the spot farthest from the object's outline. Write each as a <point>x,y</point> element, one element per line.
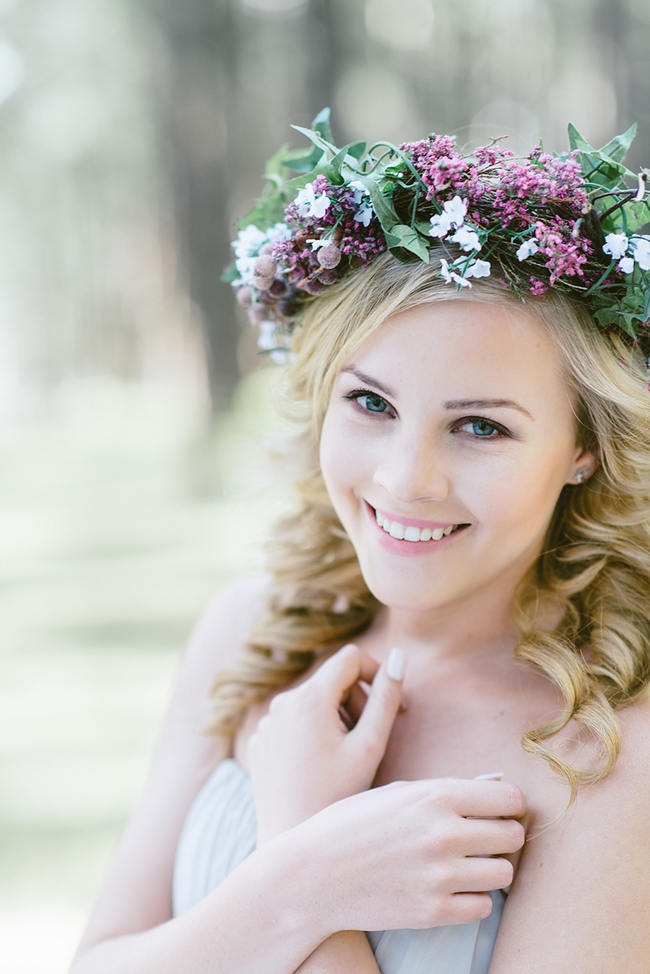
<point>594,570</point>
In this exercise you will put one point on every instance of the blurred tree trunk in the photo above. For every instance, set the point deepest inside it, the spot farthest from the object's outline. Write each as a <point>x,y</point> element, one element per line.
<point>199,42</point>
<point>325,60</point>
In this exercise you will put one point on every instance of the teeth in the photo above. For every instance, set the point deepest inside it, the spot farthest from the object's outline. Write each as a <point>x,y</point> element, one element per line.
<point>411,532</point>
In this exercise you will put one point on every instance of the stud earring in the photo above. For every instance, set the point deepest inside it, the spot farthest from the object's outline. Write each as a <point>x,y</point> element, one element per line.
<point>579,476</point>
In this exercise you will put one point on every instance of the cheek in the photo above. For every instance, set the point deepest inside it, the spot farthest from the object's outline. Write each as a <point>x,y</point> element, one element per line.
<point>525,494</point>
<point>332,453</point>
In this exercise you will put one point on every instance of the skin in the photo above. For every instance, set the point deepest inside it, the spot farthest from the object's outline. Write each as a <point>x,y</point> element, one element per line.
<point>335,858</point>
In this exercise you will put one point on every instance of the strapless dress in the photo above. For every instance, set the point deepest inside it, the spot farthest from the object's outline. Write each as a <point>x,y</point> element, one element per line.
<point>220,831</point>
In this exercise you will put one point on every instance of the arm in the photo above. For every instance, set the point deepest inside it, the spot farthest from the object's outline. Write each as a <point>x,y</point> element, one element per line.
<point>131,926</point>
<point>260,910</point>
<point>348,950</point>
<point>581,899</point>
<point>399,855</point>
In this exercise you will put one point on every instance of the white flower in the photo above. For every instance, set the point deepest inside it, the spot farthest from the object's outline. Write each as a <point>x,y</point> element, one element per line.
<point>365,213</point>
<point>466,238</point>
<point>317,244</point>
<point>626,265</point>
<point>248,242</point>
<point>450,276</point>
<point>527,249</point>
<point>457,210</point>
<point>246,269</point>
<point>311,205</point>
<point>365,209</point>
<point>440,225</point>
<point>478,268</point>
<point>282,356</point>
<point>615,245</point>
<point>266,339</point>
<point>640,246</point>
<point>280,231</point>
<point>453,215</point>
<point>358,189</point>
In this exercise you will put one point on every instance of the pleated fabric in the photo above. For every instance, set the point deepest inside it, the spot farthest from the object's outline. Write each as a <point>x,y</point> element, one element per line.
<point>220,832</point>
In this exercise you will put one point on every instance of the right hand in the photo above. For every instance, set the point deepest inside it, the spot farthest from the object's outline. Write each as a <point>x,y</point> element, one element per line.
<point>303,756</point>
<point>409,854</point>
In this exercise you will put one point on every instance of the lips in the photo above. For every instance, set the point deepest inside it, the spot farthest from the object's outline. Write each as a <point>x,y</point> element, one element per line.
<point>408,536</point>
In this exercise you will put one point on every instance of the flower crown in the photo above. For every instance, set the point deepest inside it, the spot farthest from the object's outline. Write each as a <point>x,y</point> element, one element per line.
<point>565,221</point>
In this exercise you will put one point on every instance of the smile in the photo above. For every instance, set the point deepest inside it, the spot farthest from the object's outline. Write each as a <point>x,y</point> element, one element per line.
<point>412,531</point>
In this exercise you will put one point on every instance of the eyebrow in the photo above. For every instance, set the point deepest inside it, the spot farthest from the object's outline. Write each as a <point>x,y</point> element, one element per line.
<point>450,403</point>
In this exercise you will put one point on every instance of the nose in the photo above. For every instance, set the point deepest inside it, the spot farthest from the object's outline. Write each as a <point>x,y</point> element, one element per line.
<point>411,470</point>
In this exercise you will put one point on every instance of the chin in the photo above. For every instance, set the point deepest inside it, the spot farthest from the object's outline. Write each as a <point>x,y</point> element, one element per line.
<point>407,591</point>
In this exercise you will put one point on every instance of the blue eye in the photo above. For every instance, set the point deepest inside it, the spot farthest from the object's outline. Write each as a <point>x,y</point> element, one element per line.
<point>373,402</point>
<point>484,430</point>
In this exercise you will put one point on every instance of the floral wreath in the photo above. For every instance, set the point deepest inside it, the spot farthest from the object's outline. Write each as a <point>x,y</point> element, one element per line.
<point>566,221</point>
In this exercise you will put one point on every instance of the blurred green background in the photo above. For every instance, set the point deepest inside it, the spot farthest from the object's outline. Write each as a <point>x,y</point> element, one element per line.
<point>134,413</point>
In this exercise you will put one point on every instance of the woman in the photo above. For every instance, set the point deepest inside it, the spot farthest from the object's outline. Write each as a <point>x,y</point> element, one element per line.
<point>468,374</point>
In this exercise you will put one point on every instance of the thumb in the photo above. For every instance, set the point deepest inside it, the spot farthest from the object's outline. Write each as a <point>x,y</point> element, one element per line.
<point>376,722</point>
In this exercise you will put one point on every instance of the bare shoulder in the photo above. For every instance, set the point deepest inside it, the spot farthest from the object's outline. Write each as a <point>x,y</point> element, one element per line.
<point>215,644</point>
<point>585,869</point>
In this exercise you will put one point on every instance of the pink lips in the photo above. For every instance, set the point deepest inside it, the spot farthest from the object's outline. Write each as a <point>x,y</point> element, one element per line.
<point>411,549</point>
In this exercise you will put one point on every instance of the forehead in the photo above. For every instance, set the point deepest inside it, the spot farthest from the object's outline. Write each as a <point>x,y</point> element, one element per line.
<point>463,348</point>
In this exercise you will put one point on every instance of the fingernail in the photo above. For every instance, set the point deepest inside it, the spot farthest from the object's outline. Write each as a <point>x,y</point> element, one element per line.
<point>490,776</point>
<point>395,665</point>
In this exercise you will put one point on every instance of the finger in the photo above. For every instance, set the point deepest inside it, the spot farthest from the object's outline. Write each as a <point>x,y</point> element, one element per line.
<point>356,701</point>
<point>376,721</point>
<point>467,907</point>
<point>481,875</point>
<point>342,670</point>
<point>493,837</point>
<point>484,799</point>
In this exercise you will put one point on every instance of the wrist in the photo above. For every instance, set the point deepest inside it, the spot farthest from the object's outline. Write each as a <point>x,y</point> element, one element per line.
<point>304,877</point>
<point>294,872</point>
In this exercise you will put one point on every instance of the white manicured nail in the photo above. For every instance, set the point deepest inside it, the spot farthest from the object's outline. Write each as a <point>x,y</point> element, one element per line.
<point>490,776</point>
<point>395,665</point>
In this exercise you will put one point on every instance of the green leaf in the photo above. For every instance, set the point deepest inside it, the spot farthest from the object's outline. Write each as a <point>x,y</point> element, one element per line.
<point>321,124</point>
<point>357,150</point>
<point>617,147</point>
<point>325,145</point>
<point>599,166</point>
<point>230,274</point>
<point>301,160</point>
<point>382,204</point>
<point>406,238</point>
<point>637,215</point>
<point>578,141</point>
<point>277,162</point>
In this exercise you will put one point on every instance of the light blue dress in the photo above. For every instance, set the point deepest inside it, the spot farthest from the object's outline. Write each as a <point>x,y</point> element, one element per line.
<point>220,831</point>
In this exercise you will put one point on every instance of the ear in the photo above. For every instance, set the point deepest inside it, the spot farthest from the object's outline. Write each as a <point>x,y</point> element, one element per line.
<point>583,466</point>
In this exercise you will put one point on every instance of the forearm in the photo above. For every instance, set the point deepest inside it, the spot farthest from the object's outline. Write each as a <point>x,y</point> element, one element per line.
<point>346,951</point>
<point>267,907</point>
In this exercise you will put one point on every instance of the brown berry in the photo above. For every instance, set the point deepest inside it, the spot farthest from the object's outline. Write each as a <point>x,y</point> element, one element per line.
<point>328,256</point>
<point>244,295</point>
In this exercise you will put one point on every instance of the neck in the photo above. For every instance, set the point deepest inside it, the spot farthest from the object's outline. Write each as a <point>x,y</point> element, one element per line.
<point>483,625</point>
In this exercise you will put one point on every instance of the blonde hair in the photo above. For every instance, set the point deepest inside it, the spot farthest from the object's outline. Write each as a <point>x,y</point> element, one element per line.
<point>594,571</point>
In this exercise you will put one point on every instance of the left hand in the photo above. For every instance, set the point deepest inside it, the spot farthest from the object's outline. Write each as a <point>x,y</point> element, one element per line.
<point>302,756</point>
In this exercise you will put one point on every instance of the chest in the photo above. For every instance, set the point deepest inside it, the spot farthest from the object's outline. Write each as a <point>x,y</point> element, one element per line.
<point>459,732</point>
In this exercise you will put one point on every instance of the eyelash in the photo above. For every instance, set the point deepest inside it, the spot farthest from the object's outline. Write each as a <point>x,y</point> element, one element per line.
<point>358,394</point>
